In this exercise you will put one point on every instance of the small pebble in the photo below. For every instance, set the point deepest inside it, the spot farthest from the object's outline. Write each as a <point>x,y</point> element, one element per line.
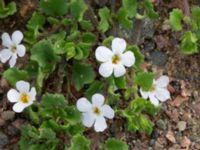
<point>170,137</point>
<point>2,122</point>
<point>3,140</point>
<point>161,124</point>
<point>149,45</point>
<point>158,58</point>
<point>185,143</point>
<point>8,115</point>
<point>181,125</point>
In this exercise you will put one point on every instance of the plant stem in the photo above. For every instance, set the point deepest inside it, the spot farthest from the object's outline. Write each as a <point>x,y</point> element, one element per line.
<point>2,4</point>
<point>93,18</point>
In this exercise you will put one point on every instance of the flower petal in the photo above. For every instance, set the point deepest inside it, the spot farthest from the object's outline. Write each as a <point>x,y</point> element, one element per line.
<point>13,60</point>
<point>100,124</point>
<point>106,69</point>
<point>107,111</point>
<point>23,86</point>
<point>21,50</point>
<point>103,54</point>
<point>128,59</point>
<point>98,100</point>
<point>118,45</point>
<point>13,95</point>
<point>163,81</point>
<point>83,105</point>
<point>153,99</point>
<point>6,41</point>
<point>88,119</point>
<point>32,94</point>
<point>162,94</point>
<point>119,70</point>
<point>5,54</point>
<point>19,107</point>
<point>17,37</point>
<point>144,94</point>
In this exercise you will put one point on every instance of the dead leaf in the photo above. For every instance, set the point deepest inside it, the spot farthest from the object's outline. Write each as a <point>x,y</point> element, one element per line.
<point>178,101</point>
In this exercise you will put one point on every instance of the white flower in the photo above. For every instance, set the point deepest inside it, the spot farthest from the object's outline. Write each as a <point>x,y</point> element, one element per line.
<point>114,60</point>
<point>12,47</point>
<point>158,91</point>
<point>95,113</point>
<point>22,97</point>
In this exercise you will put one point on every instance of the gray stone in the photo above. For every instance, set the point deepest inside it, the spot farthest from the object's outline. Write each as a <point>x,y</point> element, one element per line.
<point>149,45</point>
<point>158,58</point>
<point>8,115</point>
<point>152,142</point>
<point>161,124</point>
<point>147,30</point>
<point>3,140</point>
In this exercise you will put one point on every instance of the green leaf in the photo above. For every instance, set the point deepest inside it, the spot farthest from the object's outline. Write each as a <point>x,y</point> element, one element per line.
<point>86,25</point>
<point>120,82</point>
<point>104,14</point>
<point>78,8</point>
<point>123,18</point>
<point>82,74</point>
<point>54,7</point>
<point>33,116</point>
<point>95,87</point>
<point>80,143</point>
<point>145,124</point>
<point>196,18</point>
<point>150,9</point>
<point>134,114</point>
<point>196,13</point>
<point>144,80</point>
<point>89,37</point>
<point>189,43</point>
<point>140,105</point>
<point>107,41</point>
<point>43,54</point>
<point>5,11</point>
<point>72,115</point>
<point>52,101</point>
<point>46,133</point>
<point>33,26</point>
<point>130,6</point>
<point>82,50</point>
<point>13,75</point>
<point>76,129</point>
<point>175,19</point>
<point>139,57</point>
<point>70,48</point>
<point>115,144</point>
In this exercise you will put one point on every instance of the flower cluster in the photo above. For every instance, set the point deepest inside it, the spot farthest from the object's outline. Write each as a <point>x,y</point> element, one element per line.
<point>113,61</point>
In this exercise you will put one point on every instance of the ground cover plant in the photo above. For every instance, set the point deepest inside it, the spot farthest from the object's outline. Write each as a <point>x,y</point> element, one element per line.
<point>75,77</point>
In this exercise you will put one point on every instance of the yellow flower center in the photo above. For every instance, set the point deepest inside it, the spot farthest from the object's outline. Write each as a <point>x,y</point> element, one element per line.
<point>153,87</point>
<point>13,48</point>
<point>24,98</point>
<point>115,59</point>
<point>96,111</point>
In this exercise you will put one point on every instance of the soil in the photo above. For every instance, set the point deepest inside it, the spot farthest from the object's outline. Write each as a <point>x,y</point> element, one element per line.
<point>176,127</point>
